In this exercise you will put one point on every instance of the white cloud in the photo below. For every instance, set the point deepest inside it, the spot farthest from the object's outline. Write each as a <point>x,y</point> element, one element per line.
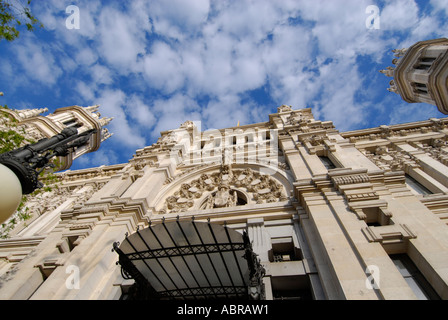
<point>120,39</point>
<point>38,61</point>
<point>101,74</point>
<point>172,112</point>
<point>408,112</point>
<point>140,112</point>
<point>226,112</point>
<point>340,81</point>
<point>176,18</point>
<point>423,30</point>
<point>86,92</point>
<point>113,104</point>
<point>163,68</point>
<point>103,156</point>
<point>86,56</point>
<point>399,15</point>
<point>154,65</point>
<point>440,5</point>
<point>50,13</point>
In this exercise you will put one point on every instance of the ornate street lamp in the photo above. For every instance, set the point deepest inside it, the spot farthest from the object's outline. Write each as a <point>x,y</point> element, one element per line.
<point>20,168</point>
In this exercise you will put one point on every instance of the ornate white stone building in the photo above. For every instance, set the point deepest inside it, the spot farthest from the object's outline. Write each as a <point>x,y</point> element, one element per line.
<point>34,125</point>
<point>27,127</point>
<point>420,73</point>
<point>331,215</point>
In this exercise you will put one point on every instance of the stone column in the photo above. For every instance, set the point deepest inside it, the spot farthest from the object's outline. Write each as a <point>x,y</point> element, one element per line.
<point>308,260</point>
<point>89,271</point>
<point>341,272</point>
<point>24,278</point>
<point>261,243</point>
<point>388,284</point>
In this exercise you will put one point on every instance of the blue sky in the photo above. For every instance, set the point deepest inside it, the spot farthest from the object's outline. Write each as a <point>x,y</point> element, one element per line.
<point>152,65</point>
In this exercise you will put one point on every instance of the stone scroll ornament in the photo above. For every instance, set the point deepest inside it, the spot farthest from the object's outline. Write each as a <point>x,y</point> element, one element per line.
<point>221,188</point>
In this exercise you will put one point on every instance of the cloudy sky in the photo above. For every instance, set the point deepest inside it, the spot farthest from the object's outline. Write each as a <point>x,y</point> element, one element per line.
<point>152,65</point>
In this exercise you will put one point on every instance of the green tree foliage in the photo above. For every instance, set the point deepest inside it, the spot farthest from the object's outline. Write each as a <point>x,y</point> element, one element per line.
<point>11,139</point>
<point>13,15</point>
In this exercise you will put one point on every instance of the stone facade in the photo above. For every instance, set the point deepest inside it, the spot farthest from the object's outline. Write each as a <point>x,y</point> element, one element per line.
<point>329,214</point>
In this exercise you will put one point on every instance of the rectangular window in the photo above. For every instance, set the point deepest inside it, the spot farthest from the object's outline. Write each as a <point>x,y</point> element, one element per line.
<point>327,162</point>
<point>414,278</point>
<point>283,249</point>
<point>420,88</point>
<point>71,122</point>
<point>291,288</point>
<point>424,64</point>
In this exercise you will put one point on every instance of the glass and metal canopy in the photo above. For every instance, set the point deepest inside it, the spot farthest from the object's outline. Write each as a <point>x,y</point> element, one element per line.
<point>191,260</point>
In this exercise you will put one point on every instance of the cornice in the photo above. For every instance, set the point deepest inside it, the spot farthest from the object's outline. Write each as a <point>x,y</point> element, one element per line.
<point>270,211</point>
<point>433,127</point>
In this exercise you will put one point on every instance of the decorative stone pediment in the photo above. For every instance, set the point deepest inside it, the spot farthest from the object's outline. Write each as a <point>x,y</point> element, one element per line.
<point>389,159</point>
<point>187,125</point>
<point>225,188</point>
<point>284,108</point>
<point>437,149</point>
<point>316,141</point>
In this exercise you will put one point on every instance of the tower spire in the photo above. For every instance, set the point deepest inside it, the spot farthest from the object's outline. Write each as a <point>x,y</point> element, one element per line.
<point>420,73</point>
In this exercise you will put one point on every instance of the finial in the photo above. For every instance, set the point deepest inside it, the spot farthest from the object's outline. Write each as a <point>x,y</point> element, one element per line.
<point>105,134</point>
<point>389,71</point>
<point>399,52</point>
<point>93,108</point>
<point>105,121</point>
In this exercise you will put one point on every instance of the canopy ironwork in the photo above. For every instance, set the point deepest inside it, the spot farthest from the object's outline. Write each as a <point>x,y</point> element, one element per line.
<point>191,260</point>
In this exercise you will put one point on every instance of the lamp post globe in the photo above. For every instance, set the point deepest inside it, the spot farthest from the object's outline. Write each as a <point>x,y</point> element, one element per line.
<point>10,193</point>
<point>19,168</point>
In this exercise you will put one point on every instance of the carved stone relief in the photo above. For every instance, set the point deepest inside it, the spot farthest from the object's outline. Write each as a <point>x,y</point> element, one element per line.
<point>298,118</point>
<point>385,132</point>
<point>284,108</point>
<point>220,189</point>
<point>222,198</point>
<point>187,125</point>
<point>51,200</point>
<point>437,149</point>
<point>315,142</point>
<point>389,159</point>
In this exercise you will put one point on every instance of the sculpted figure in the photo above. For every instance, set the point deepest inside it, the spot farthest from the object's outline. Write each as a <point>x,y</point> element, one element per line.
<point>222,198</point>
<point>399,52</point>
<point>389,71</point>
